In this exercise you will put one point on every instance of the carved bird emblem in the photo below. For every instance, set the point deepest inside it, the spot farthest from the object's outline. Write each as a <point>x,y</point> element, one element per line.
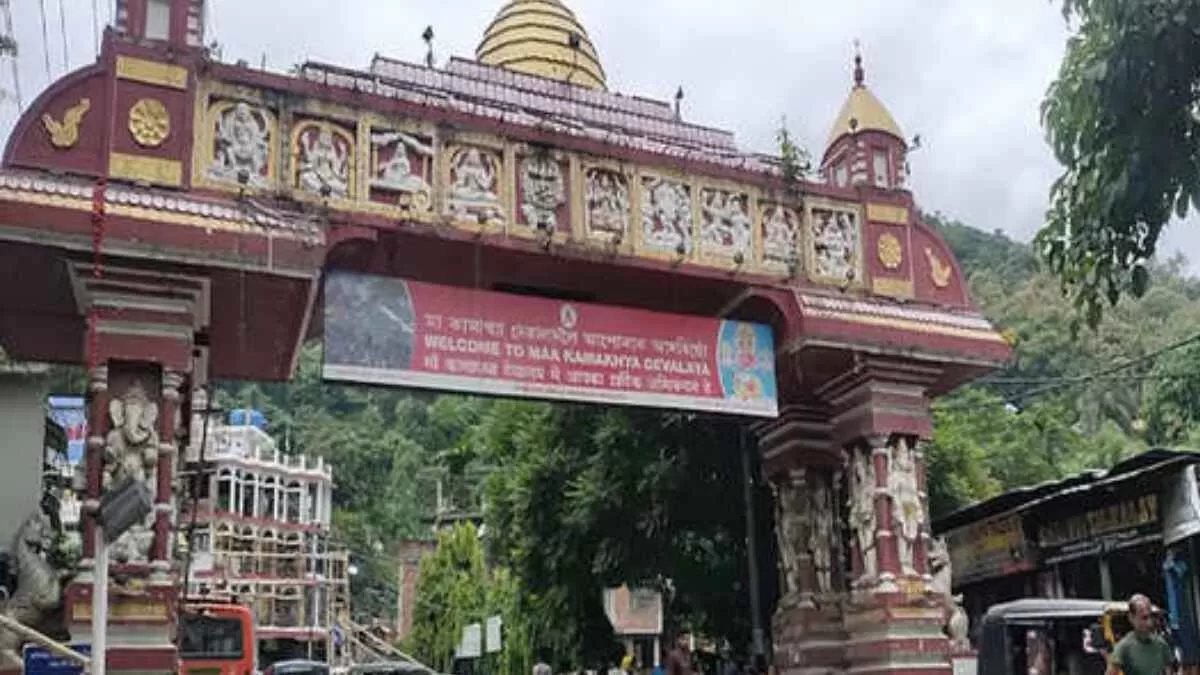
<point>938,270</point>
<point>65,134</point>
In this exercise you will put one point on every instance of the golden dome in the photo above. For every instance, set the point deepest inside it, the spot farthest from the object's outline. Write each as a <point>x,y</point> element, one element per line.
<point>864,110</point>
<point>538,37</point>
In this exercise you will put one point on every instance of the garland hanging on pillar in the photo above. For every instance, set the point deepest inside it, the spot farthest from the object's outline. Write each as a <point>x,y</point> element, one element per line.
<point>99,196</point>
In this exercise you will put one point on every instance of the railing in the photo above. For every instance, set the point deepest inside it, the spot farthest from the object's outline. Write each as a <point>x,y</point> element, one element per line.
<point>55,647</point>
<point>254,444</point>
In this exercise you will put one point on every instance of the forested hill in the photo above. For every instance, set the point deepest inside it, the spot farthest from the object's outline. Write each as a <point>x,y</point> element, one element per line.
<point>1069,400</point>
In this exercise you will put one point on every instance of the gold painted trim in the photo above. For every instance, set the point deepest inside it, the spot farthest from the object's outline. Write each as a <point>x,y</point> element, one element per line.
<point>65,134</point>
<point>940,271</point>
<point>889,251</point>
<point>152,72</point>
<point>148,169</point>
<point>887,213</point>
<point>896,288</point>
<point>908,325</point>
<point>299,127</point>
<point>149,122</point>
<point>143,213</point>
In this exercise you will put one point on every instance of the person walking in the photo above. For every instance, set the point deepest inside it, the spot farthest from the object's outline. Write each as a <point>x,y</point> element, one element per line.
<point>1142,651</point>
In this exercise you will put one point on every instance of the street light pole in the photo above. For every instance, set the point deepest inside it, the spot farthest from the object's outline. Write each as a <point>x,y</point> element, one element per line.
<point>100,603</point>
<point>751,546</point>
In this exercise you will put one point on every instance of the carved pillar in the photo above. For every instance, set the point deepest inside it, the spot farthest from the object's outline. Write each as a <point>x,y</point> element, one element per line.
<point>803,469</point>
<point>168,433</point>
<point>97,427</point>
<point>894,620</point>
<point>146,324</point>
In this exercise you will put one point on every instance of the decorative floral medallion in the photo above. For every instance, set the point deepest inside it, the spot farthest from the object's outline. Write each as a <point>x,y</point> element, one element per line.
<point>149,122</point>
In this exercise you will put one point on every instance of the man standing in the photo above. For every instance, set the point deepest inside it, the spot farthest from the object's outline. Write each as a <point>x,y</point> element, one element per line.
<point>679,661</point>
<point>1142,651</point>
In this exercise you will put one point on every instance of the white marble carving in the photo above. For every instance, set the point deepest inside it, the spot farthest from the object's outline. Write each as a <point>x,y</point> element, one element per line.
<point>725,224</point>
<point>397,172</point>
<point>907,506</point>
<point>131,454</point>
<point>820,532</point>
<point>835,244</point>
<point>543,191</point>
<point>323,162</point>
<point>789,530</point>
<point>475,185</point>
<point>780,232</point>
<point>862,510</point>
<point>666,216</point>
<point>607,212</point>
<point>241,146</point>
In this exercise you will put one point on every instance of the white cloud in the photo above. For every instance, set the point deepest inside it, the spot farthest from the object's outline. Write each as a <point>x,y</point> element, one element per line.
<point>968,75</point>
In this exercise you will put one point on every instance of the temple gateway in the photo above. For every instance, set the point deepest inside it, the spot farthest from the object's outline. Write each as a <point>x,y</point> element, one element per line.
<point>167,219</point>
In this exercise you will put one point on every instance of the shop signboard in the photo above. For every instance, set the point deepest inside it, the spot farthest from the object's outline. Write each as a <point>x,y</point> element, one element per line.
<point>381,330</point>
<point>634,611</point>
<point>1116,525</point>
<point>991,548</point>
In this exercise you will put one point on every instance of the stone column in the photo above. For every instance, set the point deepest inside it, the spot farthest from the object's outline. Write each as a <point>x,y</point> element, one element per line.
<point>168,443</point>
<point>93,464</point>
<point>894,620</point>
<point>803,469</point>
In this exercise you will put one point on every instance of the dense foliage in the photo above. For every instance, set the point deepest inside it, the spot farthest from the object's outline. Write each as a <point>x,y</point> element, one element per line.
<point>1122,118</point>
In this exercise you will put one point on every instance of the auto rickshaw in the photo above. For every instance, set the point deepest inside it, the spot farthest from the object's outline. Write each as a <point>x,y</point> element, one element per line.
<point>1050,636</point>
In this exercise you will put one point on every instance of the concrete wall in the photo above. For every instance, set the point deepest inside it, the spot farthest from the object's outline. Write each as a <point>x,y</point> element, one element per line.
<point>22,431</point>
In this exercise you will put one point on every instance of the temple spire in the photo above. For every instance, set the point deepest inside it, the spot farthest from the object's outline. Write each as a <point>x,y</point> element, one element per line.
<point>859,74</point>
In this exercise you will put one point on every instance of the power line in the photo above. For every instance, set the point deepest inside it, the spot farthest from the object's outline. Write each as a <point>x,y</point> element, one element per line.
<point>10,39</point>
<point>62,27</point>
<point>45,41</point>
<point>96,25</point>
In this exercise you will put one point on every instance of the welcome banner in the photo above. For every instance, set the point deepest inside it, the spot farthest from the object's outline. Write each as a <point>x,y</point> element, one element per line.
<point>387,331</point>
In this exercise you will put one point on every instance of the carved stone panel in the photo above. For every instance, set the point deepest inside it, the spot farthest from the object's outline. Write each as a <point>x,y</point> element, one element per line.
<point>908,510</point>
<point>834,245</point>
<point>131,453</point>
<point>324,159</point>
<point>474,186</point>
<point>860,502</point>
<point>667,224</point>
<point>542,194</point>
<point>606,204</point>
<point>401,169</point>
<point>726,224</point>
<point>780,232</point>
<point>241,140</point>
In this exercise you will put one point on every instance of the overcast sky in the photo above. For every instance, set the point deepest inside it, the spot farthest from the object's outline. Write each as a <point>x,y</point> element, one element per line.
<point>967,75</point>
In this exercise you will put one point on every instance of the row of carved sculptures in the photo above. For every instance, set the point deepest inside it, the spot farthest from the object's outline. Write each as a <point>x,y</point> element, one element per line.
<point>401,173</point>
<point>807,530</point>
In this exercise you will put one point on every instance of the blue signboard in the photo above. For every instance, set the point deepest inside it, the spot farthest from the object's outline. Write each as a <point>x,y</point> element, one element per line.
<point>41,661</point>
<point>70,413</point>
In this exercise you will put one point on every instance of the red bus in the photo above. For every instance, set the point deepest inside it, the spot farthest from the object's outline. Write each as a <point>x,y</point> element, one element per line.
<point>216,639</point>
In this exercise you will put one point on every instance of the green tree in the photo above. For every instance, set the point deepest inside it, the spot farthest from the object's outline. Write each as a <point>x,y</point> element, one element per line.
<point>585,498</point>
<point>451,591</point>
<point>1122,118</point>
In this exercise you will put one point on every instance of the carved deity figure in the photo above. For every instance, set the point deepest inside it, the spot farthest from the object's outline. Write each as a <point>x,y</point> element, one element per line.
<point>820,533</point>
<point>474,185</point>
<point>131,453</point>
<point>38,590</point>
<point>543,190</point>
<point>789,530</point>
<point>862,510</point>
<point>607,202</point>
<point>241,147</point>
<point>835,244</point>
<point>726,225</point>
<point>397,172</point>
<point>324,163</point>
<point>779,235</point>
<point>907,509</point>
<point>667,216</point>
<point>958,624</point>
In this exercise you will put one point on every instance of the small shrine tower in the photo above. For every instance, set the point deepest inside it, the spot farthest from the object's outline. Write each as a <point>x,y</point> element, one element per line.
<point>865,146</point>
<point>176,22</point>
